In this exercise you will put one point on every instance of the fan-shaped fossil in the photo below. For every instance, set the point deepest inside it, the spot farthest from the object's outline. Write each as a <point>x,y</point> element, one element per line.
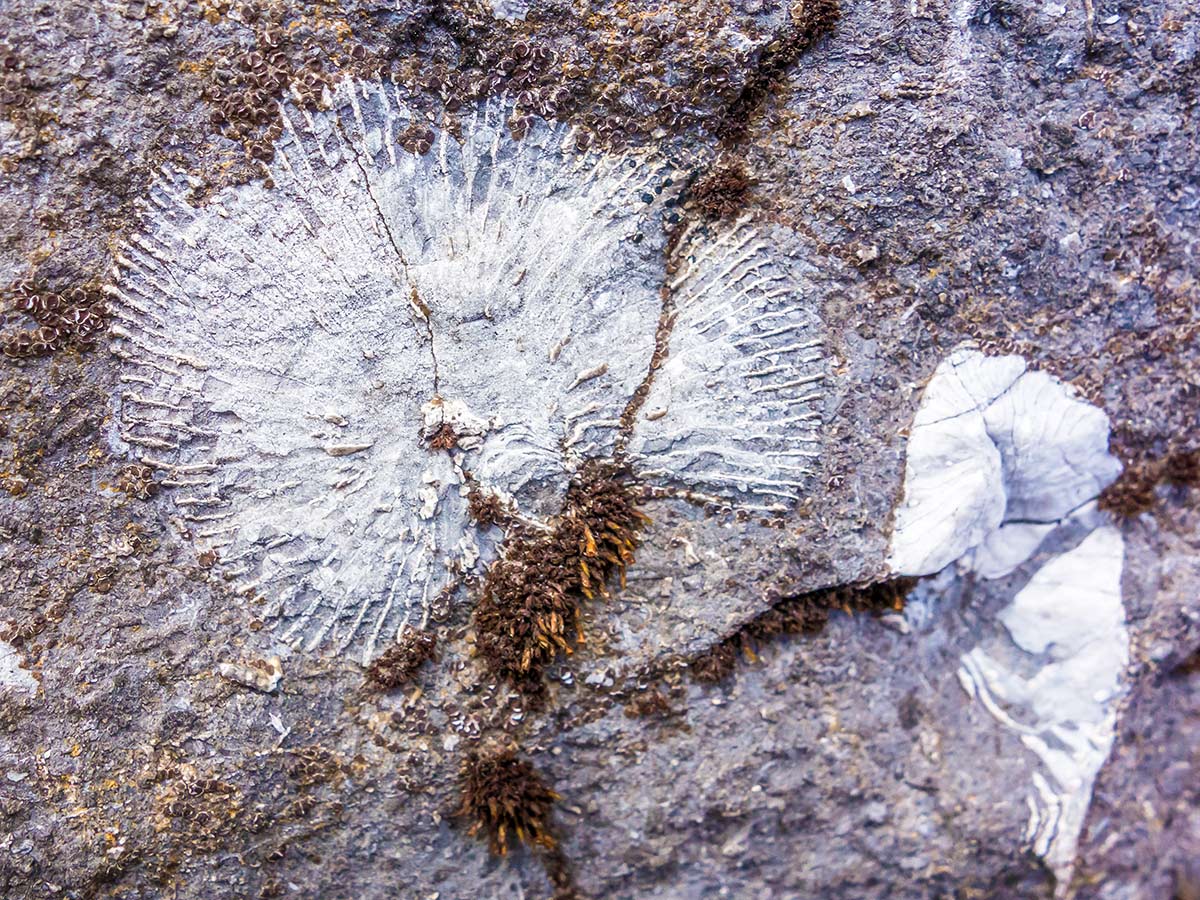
<point>320,366</point>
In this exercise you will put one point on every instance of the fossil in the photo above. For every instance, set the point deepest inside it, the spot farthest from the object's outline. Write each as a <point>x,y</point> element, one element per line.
<point>1001,462</point>
<point>1056,681</point>
<point>1015,450</point>
<point>318,368</point>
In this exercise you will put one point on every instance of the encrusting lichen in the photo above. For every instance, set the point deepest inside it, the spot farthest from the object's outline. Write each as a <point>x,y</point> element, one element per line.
<point>529,609</point>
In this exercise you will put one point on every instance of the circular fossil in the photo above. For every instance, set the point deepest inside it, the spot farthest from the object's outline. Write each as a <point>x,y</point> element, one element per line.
<point>321,367</point>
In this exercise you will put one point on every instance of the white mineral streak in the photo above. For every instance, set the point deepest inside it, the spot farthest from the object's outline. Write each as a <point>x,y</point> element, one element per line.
<point>12,675</point>
<point>1057,684</point>
<point>996,457</point>
<point>289,352</point>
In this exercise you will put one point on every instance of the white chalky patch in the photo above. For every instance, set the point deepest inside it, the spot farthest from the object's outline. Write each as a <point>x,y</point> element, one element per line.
<point>291,351</point>
<point>1058,683</point>
<point>510,10</point>
<point>996,457</point>
<point>12,674</point>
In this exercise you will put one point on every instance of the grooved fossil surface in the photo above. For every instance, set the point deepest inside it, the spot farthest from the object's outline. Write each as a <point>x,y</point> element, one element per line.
<point>322,366</point>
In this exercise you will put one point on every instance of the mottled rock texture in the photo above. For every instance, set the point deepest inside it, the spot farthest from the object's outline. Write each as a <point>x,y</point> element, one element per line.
<point>1022,174</point>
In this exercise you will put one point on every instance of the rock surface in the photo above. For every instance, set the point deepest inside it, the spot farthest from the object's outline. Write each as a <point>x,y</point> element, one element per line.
<point>1020,175</point>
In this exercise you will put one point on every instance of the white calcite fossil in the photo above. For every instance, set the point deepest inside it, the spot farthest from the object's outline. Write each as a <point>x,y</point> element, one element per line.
<point>320,366</point>
<point>12,675</point>
<point>1056,683</point>
<point>997,455</point>
<point>736,406</point>
<point>999,459</point>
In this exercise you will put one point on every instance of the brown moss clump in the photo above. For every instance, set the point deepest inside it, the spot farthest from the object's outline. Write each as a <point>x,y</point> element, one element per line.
<point>1182,468</point>
<point>721,192</point>
<point>652,702</point>
<point>400,662</point>
<point>529,610</point>
<point>487,509</point>
<point>812,20</point>
<point>804,614</point>
<point>717,662</point>
<point>504,797</point>
<point>1133,493</point>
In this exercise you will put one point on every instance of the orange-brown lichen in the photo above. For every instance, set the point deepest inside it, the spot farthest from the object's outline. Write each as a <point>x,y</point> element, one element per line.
<point>137,480</point>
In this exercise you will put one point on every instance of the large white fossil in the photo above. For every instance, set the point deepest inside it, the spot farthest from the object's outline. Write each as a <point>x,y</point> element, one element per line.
<point>1000,459</point>
<point>291,350</point>
<point>996,457</point>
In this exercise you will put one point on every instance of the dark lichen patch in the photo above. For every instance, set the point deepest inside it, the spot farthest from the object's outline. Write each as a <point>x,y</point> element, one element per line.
<point>245,89</point>
<point>198,814</point>
<point>1188,665</point>
<point>1182,469</point>
<point>505,799</point>
<point>444,437</point>
<point>398,664</point>
<point>1135,491</point>
<point>137,481</point>
<point>32,121</point>
<point>801,615</point>
<point>809,21</point>
<point>721,193</point>
<point>73,317</point>
<point>530,606</point>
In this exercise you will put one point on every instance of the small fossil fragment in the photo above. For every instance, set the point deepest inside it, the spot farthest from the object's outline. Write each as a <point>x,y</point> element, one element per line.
<point>261,674</point>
